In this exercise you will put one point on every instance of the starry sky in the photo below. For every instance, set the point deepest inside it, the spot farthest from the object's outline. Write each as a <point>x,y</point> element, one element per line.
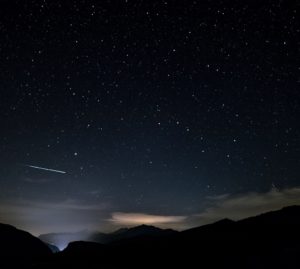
<point>158,112</point>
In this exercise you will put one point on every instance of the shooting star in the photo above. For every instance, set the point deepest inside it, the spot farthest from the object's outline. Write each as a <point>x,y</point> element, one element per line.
<point>46,169</point>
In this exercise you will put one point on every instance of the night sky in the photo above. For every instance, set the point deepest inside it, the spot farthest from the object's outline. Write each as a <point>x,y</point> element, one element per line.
<point>168,113</point>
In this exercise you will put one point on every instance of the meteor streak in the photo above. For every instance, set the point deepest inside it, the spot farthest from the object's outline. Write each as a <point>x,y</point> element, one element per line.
<point>46,169</point>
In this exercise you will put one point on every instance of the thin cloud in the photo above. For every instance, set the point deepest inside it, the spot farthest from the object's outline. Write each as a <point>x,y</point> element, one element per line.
<point>37,180</point>
<point>41,217</point>
<point>74,215</point>
<point>69,204</point>
<point>237,207</point>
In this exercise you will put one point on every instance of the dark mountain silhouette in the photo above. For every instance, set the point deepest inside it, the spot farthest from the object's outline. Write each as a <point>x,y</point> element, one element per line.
<point>270,240</point>
<point>286,216</point>
<point>143,230</point>
<point>18,247</point>
<point>137,232</point>
<point>62,239</point>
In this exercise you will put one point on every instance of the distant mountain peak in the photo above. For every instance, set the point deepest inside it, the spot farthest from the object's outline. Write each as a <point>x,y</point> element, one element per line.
<point>224,221</point>
<point>146,227</point>
<point>140,228</point>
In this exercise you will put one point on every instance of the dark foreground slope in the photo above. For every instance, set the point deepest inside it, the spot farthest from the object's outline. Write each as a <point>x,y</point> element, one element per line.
<point>271,240</point>
<point>19,248</point>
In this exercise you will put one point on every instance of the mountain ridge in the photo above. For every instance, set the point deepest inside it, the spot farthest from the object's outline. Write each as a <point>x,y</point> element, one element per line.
<point>269,240</point>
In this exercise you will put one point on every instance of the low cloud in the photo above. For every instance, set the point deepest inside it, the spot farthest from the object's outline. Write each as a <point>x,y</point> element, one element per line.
<point>132,219</point>
<point>75,215</point>
<point>41,217</point>
<point>230,206</point>
<point>237,207</point>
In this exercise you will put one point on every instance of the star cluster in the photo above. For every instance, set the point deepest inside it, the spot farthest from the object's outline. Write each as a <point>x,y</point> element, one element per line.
<point>149,106</point>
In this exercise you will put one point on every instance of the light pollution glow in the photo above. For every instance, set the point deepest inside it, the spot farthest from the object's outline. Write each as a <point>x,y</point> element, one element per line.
<point>140,218</point>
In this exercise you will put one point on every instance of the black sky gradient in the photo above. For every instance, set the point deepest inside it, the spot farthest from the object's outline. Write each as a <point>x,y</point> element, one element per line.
<point>149,106</point>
